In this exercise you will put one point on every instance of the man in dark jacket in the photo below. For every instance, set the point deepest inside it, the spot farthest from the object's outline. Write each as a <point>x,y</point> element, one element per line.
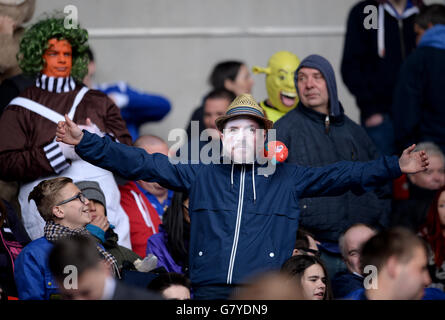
<point>243,217</point>
<point>318,133</point>
<point>379,35</point>
<point>418,109</point>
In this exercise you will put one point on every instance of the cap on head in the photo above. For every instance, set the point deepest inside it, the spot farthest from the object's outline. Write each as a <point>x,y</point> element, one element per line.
<point>92,190</point>
<point>244,105</point>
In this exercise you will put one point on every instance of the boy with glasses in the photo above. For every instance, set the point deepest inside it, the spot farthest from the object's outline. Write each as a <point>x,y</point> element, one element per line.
<point>65,210</point>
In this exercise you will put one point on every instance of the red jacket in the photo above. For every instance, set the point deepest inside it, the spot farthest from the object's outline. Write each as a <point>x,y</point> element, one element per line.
<point>144,219</point>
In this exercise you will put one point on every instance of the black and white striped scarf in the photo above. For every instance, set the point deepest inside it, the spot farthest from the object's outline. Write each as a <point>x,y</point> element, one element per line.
<point>55,84</point>
<point>54,232</point>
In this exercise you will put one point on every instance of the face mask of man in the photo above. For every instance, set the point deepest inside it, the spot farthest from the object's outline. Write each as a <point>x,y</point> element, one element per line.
<point>240,140</point>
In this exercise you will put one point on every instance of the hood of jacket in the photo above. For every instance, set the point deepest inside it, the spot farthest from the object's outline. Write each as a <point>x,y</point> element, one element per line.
<point>434,37</point>
<point>315,61</point>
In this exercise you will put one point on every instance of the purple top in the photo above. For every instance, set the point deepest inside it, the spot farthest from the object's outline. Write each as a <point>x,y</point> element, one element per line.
<point>156,245</point>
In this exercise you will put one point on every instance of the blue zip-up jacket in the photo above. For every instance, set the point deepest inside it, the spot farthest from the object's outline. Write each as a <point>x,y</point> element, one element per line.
<point>32,275</point>
<point>233,235</point>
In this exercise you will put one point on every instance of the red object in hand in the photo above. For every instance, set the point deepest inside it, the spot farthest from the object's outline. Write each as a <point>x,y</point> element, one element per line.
<point>276,151</point>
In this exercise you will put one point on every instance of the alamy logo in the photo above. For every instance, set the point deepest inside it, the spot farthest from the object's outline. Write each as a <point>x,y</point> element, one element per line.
<point>70,281</point>
<point>71,19</point>
<point>370,21</point>
<point>370,281</point>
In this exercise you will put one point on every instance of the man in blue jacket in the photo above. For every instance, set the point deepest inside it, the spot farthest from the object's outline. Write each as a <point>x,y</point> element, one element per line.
<point>243,221</point>
<point>379,36</point>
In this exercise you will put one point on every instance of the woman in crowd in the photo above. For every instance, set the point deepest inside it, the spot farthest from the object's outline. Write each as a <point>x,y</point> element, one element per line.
<point>311,274</point>
<point>233,76</point>
<point>170,244</point>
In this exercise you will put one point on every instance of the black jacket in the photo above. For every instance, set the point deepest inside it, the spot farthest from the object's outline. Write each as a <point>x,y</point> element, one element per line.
<point>13,238</point>
<point>370,78</point>
<point>312,143</point>
<point>412,212</point>
<point>124,292</point>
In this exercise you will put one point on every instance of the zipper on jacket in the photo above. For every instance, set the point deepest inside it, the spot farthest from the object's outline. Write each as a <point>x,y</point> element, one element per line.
<point>326,124</point>
<point>238,224</point>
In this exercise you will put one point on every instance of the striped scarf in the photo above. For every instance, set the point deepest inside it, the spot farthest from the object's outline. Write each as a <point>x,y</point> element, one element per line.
<point>54,232</point>
<point>55,84</point>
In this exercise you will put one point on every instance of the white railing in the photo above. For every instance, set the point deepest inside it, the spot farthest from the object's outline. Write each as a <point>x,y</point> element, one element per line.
<point>211,32</point>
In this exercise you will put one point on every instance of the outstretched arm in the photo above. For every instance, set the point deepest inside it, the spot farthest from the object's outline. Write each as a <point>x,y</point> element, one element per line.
<point>129,162</point>
<point>359,177</point>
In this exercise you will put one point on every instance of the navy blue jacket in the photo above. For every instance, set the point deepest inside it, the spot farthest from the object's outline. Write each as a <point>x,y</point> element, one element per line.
<point>32,275</point>
<point>369,77</point>
<point>311,143</point>
<point>429,294</point>
<point>418,110</point>
<point>345,283</point>
<point>233,236</point>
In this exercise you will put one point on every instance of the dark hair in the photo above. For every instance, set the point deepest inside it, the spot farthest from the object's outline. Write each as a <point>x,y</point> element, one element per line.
<point>223,71</point>
<point>3,213</point>
<point>75,250</point>
<point>434,14</point>
<point>302,241</point>
<point>165,280</point>
<point>399,242</point>
<point>432,230</point>
<point>178,230</point>
<point>219,94</point>
<point>45,195</point>
<point>296,265</point>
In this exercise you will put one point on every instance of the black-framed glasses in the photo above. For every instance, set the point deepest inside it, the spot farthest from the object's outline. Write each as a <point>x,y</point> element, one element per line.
<point>79,196</point>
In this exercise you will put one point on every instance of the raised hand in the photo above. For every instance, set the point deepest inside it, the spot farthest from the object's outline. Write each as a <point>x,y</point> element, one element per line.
<point>91,127</point>
<point>68,132</point>
<point>101,222</point>
<point>412,162</point>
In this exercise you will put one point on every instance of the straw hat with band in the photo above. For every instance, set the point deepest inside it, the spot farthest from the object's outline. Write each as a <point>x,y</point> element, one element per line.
<point>244,105</point>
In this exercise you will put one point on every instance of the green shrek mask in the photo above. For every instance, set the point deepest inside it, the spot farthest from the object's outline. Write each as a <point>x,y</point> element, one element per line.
<point>282,95</point>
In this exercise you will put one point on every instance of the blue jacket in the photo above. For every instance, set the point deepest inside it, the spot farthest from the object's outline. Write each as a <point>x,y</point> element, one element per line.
<point>369,77</point>
<point>136,107</point>
<point>418,108</point>
<point>429,294</point>
<point>232,235</point>
<point>32,275</point>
